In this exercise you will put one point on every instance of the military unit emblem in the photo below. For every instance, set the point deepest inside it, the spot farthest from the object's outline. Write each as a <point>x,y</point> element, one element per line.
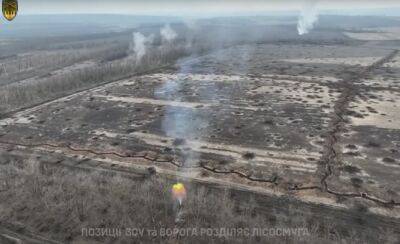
<point>10,9</point>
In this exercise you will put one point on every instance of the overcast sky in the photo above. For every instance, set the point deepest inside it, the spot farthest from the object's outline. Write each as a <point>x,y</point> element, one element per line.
<point>192,7</point>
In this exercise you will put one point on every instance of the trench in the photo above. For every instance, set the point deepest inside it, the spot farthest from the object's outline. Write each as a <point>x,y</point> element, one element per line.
<point>202,165</point>
<point>331,158</point>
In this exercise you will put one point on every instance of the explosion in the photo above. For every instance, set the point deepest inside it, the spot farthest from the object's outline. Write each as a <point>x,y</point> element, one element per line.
<point>179,192</point>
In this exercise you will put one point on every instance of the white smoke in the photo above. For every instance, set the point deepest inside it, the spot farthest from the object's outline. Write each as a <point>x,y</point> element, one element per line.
<point>139,45</point>
<point>308,17</point>
<point>168,34</point>
<point>183,123</point>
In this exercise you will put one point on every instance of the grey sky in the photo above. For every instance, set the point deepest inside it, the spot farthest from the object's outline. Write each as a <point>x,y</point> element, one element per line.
<point>192,7</point>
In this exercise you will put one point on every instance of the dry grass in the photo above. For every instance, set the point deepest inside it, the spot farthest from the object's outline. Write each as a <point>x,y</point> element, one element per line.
<point>58,202</point>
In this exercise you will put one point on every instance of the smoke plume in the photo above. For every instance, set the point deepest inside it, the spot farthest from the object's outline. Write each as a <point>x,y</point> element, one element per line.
<point>168,34</point>
<point>308,17</point>
<point>139,45</point>
<point>183,124</point>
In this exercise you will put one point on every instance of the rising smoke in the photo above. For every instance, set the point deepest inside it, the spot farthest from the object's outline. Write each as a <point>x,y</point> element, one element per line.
<point>139,45</point>
<point>179,122</point>
<point>182,123</point>
<point>308,17</point>
<point>168,34</point>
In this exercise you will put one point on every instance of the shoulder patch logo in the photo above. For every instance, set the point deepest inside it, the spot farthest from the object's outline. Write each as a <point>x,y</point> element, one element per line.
<point>10,9</point>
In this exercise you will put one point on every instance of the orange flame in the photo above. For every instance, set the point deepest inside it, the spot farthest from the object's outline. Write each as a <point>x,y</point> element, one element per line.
<point>179,192</point>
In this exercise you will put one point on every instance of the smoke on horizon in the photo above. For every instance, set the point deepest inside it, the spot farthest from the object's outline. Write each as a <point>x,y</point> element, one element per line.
<point>308,17</point>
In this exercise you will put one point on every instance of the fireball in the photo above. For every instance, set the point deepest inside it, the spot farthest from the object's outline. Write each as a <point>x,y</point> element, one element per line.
<point>179,192</point>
